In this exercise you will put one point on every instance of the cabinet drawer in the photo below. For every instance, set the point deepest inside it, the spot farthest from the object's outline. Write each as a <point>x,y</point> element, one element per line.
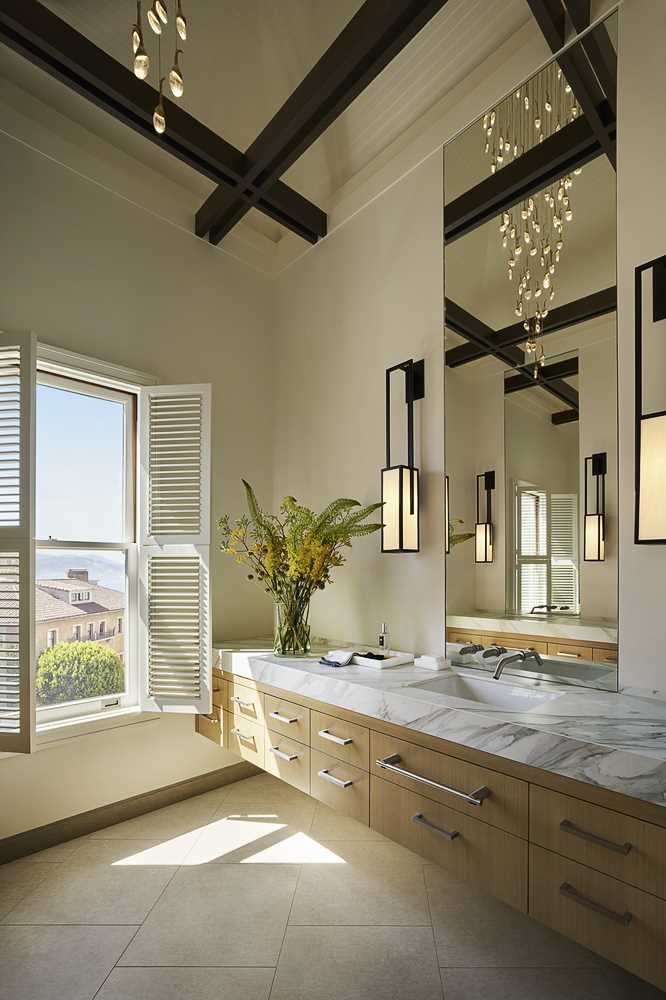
<point>343,787</point>
<point>618,845</point>
<point>288,759</point>
<point>210,726</point>
<point>340,739</point>
<point>472,851</point>
<point>503,800</point>
<point>518,642</point>
<point>245,738</point>
<point>569,651</point>
<point>287,718</point>
<point>613,919</point>
<point>246,702</point>
<point>220,693</point>
<point>604,656</point>
<point>464,638</point>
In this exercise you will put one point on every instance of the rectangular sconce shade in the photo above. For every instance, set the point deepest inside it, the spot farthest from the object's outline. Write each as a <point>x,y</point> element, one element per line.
<point>652,493</point>
<point>400,513</point>
<point>484,543</point>
<point>594,541</point>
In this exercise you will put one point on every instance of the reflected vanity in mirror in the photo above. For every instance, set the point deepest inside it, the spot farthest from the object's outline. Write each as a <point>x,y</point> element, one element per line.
<point>531,387</point>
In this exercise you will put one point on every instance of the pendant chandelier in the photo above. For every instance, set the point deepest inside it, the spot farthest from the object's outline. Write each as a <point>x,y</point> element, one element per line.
<point>157,17</point>
<point>532,232</point>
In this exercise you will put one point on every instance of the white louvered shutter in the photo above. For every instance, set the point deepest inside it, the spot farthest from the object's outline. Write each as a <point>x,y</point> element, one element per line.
<point>174,605</point>
<point>17,529</point>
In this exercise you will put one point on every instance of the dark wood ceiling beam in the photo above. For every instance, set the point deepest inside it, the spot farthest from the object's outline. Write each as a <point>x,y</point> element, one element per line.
<point>560,318</point>
<point>469,326</point>
<point>379,30</point>
<point>565,416</point>
<point>549,16</point>
<point>571,147</point>
<point>525,380</point>
<point>598,46</point>
<point>50,43</point>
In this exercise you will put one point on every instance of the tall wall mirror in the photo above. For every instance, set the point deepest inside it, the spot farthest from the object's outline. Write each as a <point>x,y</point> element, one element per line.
<point>531,379</point>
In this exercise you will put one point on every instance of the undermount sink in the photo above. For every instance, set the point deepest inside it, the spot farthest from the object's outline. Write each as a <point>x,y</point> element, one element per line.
<point>498,694</point>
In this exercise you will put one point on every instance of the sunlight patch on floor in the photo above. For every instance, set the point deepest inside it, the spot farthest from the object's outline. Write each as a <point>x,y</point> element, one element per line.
<point>298,849</point>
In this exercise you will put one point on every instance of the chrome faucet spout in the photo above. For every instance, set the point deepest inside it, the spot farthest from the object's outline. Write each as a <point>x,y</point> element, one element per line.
<point>519,656</point>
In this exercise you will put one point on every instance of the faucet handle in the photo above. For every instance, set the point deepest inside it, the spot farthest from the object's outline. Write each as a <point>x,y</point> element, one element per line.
<point>493,651</point>
<point>473,648</point>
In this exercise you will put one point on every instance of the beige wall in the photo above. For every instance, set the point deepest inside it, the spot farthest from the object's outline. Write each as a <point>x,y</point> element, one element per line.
<point>641,228</point>
<point>367,298</point>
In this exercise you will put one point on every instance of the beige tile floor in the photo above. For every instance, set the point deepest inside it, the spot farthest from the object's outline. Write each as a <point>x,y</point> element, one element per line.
<point>254,891</point>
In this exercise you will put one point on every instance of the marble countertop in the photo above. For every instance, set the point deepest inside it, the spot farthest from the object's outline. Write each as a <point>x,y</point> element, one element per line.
<point>614,741</point>
<point>557,626</point>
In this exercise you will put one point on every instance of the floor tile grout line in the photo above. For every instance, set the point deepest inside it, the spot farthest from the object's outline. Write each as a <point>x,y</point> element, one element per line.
<point>28,894</point>
<point>115,964</point>
<point>432,930</point>
<point>286,928</point>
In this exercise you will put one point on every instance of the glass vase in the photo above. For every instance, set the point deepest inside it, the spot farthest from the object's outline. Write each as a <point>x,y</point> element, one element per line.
<point>292,628</point>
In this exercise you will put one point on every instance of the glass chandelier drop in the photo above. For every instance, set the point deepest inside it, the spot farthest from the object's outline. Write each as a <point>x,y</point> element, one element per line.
<point>532,232</point>
<point>157,17</point>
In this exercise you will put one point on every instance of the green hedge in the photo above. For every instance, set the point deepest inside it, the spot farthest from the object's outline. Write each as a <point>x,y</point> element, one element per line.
<point>72,670</point>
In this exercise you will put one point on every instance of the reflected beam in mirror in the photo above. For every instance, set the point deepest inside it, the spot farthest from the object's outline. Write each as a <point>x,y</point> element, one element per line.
<point>559,369</point>
<point>560,318</point>
<point>580,73</point>
<point>598,47</point>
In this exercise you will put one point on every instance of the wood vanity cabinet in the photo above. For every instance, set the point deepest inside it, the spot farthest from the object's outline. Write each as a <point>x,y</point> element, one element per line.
<point>587,862</point>
<point>566,649</point>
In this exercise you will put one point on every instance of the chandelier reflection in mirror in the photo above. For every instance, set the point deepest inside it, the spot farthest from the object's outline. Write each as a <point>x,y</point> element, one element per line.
<point>532,232</point>
<point>157,17</point>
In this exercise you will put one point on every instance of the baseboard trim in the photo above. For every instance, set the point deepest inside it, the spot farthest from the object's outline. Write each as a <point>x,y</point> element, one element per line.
<point>30,841</point>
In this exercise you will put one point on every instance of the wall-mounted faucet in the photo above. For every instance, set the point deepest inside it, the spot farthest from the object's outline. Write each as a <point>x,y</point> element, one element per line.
<point>520,656</point>
<point>493,651</point>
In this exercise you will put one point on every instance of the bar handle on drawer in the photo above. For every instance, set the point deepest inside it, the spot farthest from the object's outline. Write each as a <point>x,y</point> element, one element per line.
<point>282,755</point>
<point>571,893</point>
<point>568,656</point>
<point>281,718</point>
<point>422,821</point>
<point>241,735</point>
<point>239,701</point>
<point>474,798</point>
<point>566,826</point>
<point>326,734</point>
<point>327,776</point>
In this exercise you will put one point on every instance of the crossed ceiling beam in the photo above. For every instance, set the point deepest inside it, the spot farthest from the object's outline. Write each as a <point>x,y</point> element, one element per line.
<point>379,30</point>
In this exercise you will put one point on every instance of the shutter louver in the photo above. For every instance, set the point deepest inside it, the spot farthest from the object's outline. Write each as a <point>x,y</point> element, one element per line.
<point>17,459</point>
<point>175,531</point>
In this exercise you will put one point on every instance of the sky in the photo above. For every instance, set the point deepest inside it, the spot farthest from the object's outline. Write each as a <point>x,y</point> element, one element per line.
<point>79,494</point>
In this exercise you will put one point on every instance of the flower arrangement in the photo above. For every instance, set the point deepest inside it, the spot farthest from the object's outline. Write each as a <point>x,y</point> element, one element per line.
<point>292,554</point>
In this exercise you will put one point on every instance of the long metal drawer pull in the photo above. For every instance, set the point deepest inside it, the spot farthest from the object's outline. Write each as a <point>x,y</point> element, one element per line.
<point>282,755</point>
<point>243,704</point>
<point>327,776</point>
<point>422,821</point>
<point>569,656</point>
<point>241,735</point>
<point>566,826</point>
<point>326,734</point>
<point>571,893</point>
<point>282,718</point>
<point>474,798</point>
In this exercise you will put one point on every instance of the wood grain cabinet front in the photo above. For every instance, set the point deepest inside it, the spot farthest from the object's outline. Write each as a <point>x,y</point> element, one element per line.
<point>245,738</point>
<point>341,786</point>
<point>476,791</point>
<point>344,740</point>
<point>287,759</point>
<point>288,718</point>
<point>211,726</point>
<point>569,651</point>
<point>614,919</point>
<point>472,851</point>
<point>626,848</point>
<point>246,702</point>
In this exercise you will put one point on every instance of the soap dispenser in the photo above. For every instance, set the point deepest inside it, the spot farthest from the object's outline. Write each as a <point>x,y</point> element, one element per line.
<point>383,641</point>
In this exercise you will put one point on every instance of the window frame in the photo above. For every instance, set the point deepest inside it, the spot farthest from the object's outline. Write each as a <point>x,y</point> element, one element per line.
<point>90,383</point>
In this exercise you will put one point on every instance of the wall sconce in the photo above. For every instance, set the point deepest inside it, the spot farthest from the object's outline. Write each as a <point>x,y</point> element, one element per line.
<point>594,538</point>
<point>483,552</point>
<point>400,483</point>
<point>650,461</point>
<point>447,547</point>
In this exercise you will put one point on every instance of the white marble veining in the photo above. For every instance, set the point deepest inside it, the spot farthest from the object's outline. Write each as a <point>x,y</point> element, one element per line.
<point>557,627</point>
<point>614,741</point>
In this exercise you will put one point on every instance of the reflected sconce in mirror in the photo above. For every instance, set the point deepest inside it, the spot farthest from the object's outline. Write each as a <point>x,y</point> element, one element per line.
<point>447,516</point>
<point>650,461</point>
<point>400,483</point>
<point>483,551</point>
<point>594,539</point>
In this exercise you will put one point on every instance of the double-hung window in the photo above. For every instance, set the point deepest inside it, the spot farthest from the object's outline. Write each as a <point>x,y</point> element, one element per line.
<point>104,534</point>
